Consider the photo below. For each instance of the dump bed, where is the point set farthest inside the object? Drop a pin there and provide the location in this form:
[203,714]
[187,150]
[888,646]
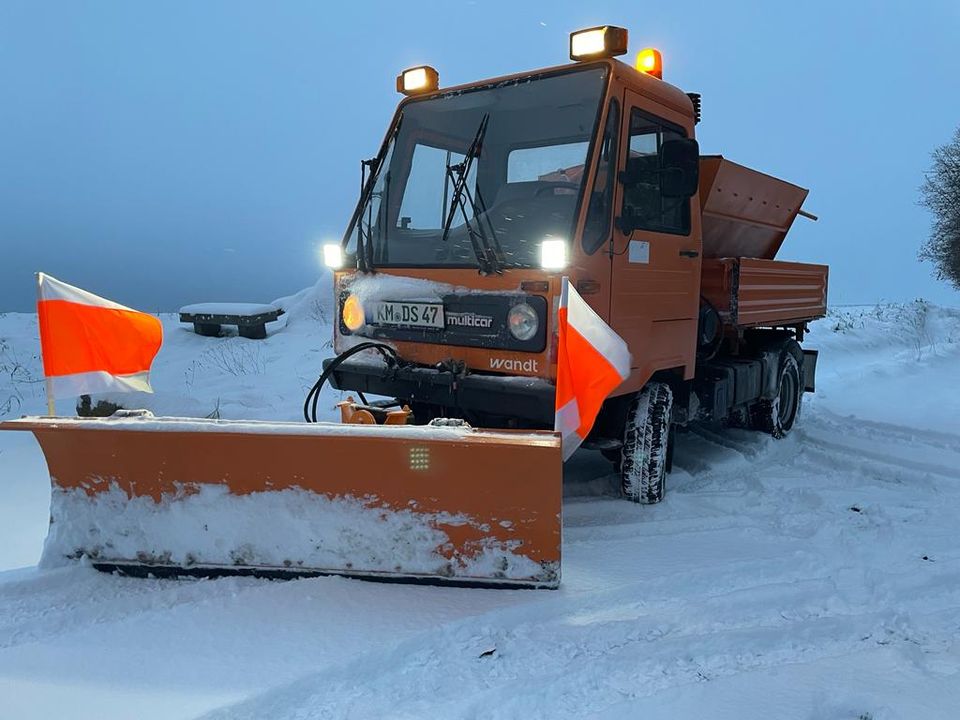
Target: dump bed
[751,292]
[746,213]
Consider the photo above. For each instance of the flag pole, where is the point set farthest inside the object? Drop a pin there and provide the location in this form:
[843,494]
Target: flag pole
[48,382]
[51,411]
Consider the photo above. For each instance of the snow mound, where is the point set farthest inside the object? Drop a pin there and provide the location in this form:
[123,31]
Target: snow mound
[207,526]
[311,305]
[812,577]
[878,362]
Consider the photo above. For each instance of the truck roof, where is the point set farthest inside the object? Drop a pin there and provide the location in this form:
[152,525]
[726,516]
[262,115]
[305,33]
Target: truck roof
[657,90]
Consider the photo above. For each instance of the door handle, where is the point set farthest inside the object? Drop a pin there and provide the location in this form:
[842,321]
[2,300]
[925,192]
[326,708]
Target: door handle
[689,253]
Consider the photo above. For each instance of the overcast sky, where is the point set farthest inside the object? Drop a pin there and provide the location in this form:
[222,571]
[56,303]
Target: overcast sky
[166,153]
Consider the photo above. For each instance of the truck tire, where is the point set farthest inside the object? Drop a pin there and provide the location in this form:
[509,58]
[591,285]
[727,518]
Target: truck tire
[776,417]
[643,464]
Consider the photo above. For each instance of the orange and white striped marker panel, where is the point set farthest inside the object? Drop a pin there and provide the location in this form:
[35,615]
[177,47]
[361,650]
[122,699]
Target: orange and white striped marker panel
[592,360]
[91,344]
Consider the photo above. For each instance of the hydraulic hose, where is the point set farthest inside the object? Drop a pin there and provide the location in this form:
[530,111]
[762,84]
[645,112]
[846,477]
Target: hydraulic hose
[313,396]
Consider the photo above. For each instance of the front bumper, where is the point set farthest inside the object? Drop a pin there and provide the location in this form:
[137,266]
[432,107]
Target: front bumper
[530,399]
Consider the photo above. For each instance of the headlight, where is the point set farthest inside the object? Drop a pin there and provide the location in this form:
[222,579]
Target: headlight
[523,321]
[333,256]
[553,253]
[352,313]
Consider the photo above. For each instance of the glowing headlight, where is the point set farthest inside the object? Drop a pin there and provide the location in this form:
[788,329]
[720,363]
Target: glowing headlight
[553,254]
[523,321]
[598,42]
[333,256]
[352,313]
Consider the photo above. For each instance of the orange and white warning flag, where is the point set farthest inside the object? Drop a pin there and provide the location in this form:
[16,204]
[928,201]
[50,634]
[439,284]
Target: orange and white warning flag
[592,360]
[90,344]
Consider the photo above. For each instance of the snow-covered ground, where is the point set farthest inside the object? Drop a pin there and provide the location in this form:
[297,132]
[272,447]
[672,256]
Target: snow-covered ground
[815,578]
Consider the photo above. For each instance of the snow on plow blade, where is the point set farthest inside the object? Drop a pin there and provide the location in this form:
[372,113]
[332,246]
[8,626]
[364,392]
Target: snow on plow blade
[447,505]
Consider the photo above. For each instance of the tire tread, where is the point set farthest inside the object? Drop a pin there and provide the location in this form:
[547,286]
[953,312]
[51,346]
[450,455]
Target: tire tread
[646,437]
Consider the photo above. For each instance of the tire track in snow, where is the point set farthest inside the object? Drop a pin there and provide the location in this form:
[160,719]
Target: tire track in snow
[824,441]
[570,656]
[888,431]
[47,604]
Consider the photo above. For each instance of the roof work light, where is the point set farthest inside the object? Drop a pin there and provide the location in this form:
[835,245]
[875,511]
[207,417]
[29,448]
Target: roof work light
[417,80]
[650,62]
[598,42]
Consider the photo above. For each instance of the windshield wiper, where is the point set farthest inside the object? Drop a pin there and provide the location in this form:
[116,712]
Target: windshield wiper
[365,244]
[487,250]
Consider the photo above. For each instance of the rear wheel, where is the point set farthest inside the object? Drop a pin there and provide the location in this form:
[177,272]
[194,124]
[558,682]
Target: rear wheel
[778,415]
[643,464]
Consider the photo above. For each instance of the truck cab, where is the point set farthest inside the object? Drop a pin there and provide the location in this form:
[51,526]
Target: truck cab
[484,196]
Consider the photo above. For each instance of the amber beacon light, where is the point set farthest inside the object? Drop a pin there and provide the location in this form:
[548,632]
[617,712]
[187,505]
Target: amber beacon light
[598,42]
[650,61]
[418,80]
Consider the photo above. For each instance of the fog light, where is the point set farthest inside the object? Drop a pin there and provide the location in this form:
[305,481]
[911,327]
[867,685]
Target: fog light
[333,256]
[523,321]
[353,315]
[553,254]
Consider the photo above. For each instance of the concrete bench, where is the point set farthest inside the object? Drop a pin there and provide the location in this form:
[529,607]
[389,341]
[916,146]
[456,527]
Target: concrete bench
[251,319]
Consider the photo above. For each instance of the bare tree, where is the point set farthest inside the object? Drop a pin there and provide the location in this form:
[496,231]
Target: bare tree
[940,194]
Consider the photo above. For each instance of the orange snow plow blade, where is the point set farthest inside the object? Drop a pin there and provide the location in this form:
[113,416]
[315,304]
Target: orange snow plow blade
[209,497]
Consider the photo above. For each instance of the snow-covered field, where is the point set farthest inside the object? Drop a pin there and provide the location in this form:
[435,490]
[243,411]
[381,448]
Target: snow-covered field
[815,578]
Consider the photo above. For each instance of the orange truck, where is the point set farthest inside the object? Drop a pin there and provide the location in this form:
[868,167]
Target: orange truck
[483,196]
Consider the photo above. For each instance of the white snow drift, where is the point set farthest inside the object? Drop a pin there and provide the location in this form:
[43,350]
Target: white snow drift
[813,578]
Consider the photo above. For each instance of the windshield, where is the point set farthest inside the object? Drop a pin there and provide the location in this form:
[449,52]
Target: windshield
[531,137]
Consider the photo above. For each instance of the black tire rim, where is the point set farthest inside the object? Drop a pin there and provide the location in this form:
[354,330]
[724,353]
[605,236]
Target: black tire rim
[788,399]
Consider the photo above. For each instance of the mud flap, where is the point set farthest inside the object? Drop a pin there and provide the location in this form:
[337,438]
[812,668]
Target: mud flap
[445,505]
[810,370]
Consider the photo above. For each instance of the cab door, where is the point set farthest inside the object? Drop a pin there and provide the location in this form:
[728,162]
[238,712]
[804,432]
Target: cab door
[655,253]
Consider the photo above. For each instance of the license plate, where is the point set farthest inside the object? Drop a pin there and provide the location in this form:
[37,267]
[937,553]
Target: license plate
[409,314]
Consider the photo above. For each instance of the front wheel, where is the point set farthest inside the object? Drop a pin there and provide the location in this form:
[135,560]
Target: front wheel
[643,464]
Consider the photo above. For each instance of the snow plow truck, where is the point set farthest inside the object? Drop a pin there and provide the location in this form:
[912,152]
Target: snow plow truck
[481,199]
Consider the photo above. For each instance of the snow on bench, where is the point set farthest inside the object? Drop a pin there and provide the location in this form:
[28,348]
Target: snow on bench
[250,318]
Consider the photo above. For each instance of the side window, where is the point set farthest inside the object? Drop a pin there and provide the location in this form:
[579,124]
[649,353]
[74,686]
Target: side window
[597,228]
[641,197]
[427,194]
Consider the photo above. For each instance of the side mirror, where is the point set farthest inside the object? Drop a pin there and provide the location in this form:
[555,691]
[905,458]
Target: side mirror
[679,168]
